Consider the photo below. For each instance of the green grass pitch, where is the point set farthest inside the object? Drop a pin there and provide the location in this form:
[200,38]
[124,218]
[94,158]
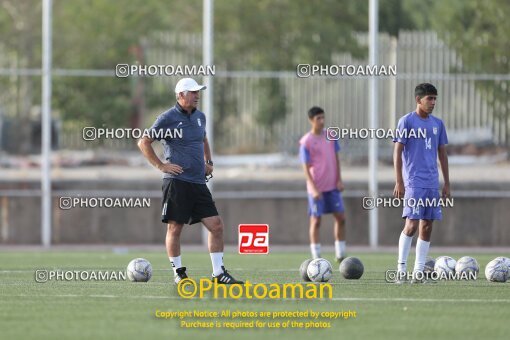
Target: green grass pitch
[125,310]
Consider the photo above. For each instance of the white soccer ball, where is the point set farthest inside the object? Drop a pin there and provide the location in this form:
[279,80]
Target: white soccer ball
[139,270]
[506,260]
[496,271]
[319,270]
[445,267]
[467,268]
[303,270]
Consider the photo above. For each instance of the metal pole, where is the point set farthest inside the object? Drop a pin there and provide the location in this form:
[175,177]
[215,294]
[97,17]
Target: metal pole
[372,145]
[207,95]
[46,125]
[392,97]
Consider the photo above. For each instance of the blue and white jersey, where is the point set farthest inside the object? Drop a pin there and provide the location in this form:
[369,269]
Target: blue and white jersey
[419,157]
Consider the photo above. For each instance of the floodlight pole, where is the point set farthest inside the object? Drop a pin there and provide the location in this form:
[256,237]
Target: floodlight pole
[207,95]
[46,125]
[373,107]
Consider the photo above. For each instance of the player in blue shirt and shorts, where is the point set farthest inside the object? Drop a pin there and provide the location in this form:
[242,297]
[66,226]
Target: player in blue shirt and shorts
[417,178]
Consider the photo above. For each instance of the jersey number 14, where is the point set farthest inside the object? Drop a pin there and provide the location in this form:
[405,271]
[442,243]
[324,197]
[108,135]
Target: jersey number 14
[428,143]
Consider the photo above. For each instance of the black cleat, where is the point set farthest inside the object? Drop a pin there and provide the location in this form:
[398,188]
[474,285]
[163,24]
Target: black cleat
[226,278]
[180,274]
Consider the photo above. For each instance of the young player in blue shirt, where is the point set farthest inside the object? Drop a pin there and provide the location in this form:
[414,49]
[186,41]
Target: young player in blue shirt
[417,177]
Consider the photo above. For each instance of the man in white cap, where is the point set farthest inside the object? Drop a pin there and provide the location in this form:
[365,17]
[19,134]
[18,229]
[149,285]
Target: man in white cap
[186,198]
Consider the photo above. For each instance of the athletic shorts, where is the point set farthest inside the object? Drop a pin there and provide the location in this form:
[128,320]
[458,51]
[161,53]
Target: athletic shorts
[421,204]
[330,202]
[186,202]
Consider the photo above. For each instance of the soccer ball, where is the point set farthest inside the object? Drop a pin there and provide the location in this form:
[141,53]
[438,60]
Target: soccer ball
[430,262]
[351,268]
[506,260]
[303,270]
[139,270]
[496,271]
[445,267]
[467,265]
[319,270]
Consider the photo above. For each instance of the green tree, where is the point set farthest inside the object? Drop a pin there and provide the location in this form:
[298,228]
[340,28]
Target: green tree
[20,26]
[98,35]
[478,31]
[271,35]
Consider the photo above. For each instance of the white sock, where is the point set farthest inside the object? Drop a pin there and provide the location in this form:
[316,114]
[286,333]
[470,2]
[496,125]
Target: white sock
[422,249]
[176,262]
[217,262]
[340,248]
[316,250]
[404,245]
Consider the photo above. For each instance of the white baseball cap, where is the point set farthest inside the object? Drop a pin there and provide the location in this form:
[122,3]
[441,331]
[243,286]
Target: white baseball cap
[188,84]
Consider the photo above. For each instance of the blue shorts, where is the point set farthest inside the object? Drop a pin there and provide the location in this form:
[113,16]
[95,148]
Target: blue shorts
[422,204]
[330,202]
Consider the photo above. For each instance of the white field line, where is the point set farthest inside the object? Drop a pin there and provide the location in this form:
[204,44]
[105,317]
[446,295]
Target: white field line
[348,299]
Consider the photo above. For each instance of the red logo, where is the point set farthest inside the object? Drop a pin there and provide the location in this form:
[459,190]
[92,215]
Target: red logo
[253,239]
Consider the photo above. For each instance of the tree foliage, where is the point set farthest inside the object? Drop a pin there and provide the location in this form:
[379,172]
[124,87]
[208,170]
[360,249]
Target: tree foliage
[265,35]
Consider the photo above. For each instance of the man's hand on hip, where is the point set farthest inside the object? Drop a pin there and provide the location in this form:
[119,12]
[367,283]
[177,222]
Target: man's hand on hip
[170,168]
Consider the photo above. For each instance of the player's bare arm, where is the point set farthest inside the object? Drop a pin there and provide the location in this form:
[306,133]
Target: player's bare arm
[207,157]
[443,160]
[145,146]
[316,193]
[399,190]
[339,184]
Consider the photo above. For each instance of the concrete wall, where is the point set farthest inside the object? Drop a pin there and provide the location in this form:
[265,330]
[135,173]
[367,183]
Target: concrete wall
[474,221]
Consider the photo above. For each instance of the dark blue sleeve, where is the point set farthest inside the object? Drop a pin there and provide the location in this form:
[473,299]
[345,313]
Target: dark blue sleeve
[159,125]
